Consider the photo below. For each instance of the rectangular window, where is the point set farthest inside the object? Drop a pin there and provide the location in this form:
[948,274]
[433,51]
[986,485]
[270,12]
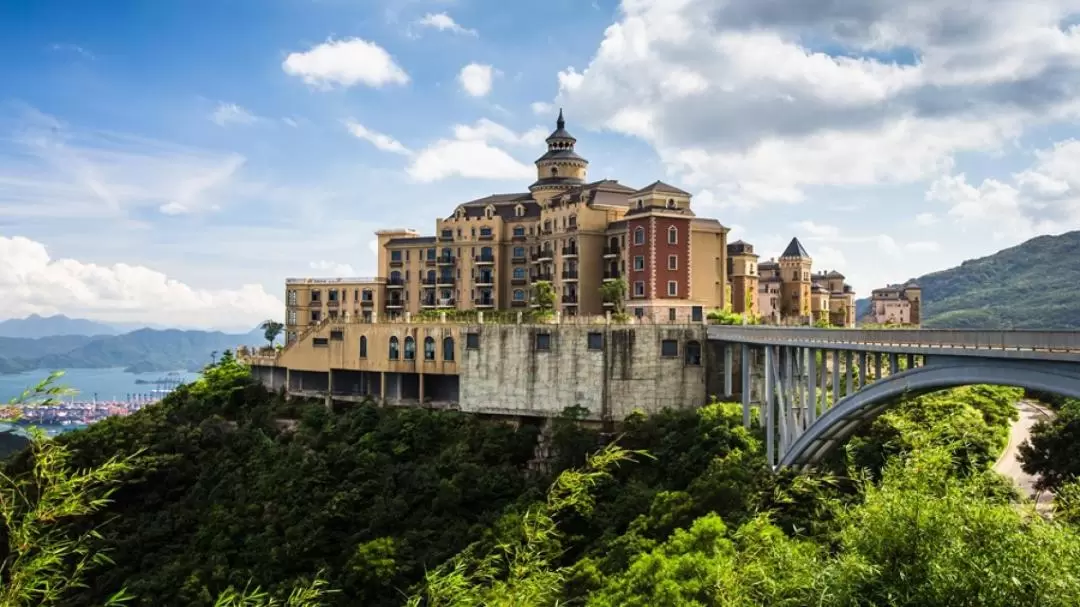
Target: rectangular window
[671,314]
[673,262]
[395,255]
[290,318]
[332,295]
[596,341]
[639,288]
[316,316]
[639,263]
[543,341]
[639,236]
[337,335]
[472,341]
[673,235]
[316,295]
[696,313]
[320,342]
[519,231]
[672,288]
[669,348]
[639,312]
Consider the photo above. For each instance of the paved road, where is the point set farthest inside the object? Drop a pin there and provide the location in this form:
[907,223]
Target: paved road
[1009,464]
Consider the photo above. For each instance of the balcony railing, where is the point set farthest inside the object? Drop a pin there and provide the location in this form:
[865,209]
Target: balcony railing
[518,237]
[484,281]
[395,283]
[427,303]
[315,303]
[541,276]
[571,227]
[611,251]
[612,275]
[569,252]
[333,303]
[485,259]
[488,236]
[519,258]
[519,281]
[570,298]
[366,303]
[396,263]
[519,303]
[430,261]
[570,275]
[446,237]
[445,260]
[445,281]
[395,303]
[429,282]
[484,303]
[543,254]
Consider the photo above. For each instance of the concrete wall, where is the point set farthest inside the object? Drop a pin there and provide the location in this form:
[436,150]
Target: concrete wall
[507,375]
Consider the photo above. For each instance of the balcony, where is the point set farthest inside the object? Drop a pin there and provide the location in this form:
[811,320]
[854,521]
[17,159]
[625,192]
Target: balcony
[572,227]
[570,298]
[518,237]
[542,276]
[485,260]
[366,303]
[488,236]
[482,302]
[333,303]
[445,303]
[570,275]
[519,303]
[444,281]
[485,280]
[395,284]
[315,303]
[429,282]
[569,252]
[519,259]
[611,251]
[544,255]
[445,260]
[427,302]
[519,281]
[396,263]
[609,304]
[547,231]
[612,275]
[395,304]
[430,261]
[446,237]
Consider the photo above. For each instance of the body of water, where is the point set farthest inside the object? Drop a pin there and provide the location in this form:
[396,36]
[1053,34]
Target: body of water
[91,384]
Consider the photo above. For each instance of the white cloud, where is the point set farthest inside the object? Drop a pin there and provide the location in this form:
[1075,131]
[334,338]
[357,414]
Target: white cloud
[471,154]
[33,282]
[379,140]
[817,230]
[541,108]
[230,113]
[332,269]
[735,99]
[476,78]
[291,122]
[346,62]
[444,23]
[925,219]
[74,48]
[51,169]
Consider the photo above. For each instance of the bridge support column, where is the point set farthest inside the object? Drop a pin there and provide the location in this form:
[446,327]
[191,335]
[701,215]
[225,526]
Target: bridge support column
[745,363]
[862,370]
[767,408]
[849,358]
[877,365]
[811,386]
[727,370]
[382,387]
[835,376]
[910,361]
[894,363]
[329,390]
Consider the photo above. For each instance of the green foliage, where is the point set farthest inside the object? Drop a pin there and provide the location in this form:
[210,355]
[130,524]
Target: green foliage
[544,296]
[271,330]
[614,293]
[726,317]
[1053,451]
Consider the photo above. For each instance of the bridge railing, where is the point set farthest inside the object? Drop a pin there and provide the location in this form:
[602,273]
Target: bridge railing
[920,338]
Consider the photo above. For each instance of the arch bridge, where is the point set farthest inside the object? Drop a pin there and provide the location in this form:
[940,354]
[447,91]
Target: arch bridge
[814,387]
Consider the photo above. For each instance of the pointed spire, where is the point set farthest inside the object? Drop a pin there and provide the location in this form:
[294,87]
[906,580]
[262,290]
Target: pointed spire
[560,123]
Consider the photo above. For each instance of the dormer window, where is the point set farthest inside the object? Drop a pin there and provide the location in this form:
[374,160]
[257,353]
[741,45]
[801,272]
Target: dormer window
[641,204]
[671,203]
[489,211]
[519,211]
[460,213]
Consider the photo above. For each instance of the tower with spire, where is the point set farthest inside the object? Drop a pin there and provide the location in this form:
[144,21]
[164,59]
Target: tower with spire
[795,265]
[560,168]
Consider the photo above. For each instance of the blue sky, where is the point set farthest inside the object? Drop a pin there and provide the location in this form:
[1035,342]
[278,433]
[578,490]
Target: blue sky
[172,161]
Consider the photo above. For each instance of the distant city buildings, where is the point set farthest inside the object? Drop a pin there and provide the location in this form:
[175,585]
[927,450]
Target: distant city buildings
[896,305]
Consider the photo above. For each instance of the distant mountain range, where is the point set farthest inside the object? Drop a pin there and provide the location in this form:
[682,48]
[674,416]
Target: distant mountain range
[1034,285]
[95,345]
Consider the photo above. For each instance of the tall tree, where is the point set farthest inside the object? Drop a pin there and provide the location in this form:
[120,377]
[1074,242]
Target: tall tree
[271,330]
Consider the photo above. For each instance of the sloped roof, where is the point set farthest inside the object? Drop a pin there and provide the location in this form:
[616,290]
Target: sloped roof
[795,249]
[660,186]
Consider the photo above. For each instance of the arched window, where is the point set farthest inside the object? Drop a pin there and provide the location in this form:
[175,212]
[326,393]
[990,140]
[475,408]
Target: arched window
[429,348]
[639,235]
[693,353]
[363,346]
[519,295]
[394,348]
[671,203]
[395,276]
[448,348]
[554,171]
[673,235]
[410,348]
[485,253]
[519,272]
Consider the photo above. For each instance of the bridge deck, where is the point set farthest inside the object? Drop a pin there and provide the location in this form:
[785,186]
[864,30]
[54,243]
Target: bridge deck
[1033,345]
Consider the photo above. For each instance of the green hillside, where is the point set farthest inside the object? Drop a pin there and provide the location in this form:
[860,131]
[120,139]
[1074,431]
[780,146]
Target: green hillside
[1034,285]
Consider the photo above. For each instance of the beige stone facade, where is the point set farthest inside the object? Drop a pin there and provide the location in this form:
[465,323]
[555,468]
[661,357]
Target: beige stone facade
[896,305]
[786,290]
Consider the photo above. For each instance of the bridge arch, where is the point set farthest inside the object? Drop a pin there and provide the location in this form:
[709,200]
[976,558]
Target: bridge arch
[846,416]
